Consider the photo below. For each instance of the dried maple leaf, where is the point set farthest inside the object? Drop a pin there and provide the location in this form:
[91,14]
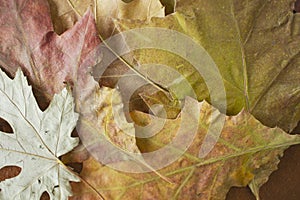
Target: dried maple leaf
[255,46]
[103,112]
[27,40]
[39,139]
[246,154]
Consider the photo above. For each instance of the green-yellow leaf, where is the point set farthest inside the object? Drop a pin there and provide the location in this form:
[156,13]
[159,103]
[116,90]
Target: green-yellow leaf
[255,46]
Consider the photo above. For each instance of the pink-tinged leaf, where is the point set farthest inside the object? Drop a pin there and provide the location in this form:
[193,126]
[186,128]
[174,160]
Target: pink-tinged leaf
[27,40]
[246,153]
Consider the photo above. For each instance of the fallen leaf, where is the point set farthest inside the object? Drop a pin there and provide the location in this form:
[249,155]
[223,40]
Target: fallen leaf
[106,12]
[246,153]
[254,45]
[50,61]
[39,139]
[103,111]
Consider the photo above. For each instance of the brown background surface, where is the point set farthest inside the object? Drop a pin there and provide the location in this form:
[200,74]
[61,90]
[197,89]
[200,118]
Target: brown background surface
[284,184]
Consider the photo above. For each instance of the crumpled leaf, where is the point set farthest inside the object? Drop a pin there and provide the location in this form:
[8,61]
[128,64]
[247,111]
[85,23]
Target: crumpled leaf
[103,111]
[106,133]
[246,153]
[255,46]
[38,140]
[106,10]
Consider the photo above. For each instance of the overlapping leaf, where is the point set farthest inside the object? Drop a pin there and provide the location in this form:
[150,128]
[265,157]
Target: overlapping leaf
[105,12]
[255,46]
[246,153]
[52,60]
[230,31]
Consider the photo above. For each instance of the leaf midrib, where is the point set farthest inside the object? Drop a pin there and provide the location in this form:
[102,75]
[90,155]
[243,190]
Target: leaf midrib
[243,57]
[251,106]
[25,42]
[210,161]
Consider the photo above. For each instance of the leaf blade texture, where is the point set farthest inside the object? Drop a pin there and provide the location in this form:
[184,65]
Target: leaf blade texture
[49,60]
[246,153]
[254,46]
[105,12]
[38,140]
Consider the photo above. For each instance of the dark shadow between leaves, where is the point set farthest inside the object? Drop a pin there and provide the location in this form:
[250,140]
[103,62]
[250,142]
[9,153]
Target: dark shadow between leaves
[296,7]
[76,167]
[169,6]
[297,129]
[127,1]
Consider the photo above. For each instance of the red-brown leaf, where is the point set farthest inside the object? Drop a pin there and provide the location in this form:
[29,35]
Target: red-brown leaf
[27,40]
